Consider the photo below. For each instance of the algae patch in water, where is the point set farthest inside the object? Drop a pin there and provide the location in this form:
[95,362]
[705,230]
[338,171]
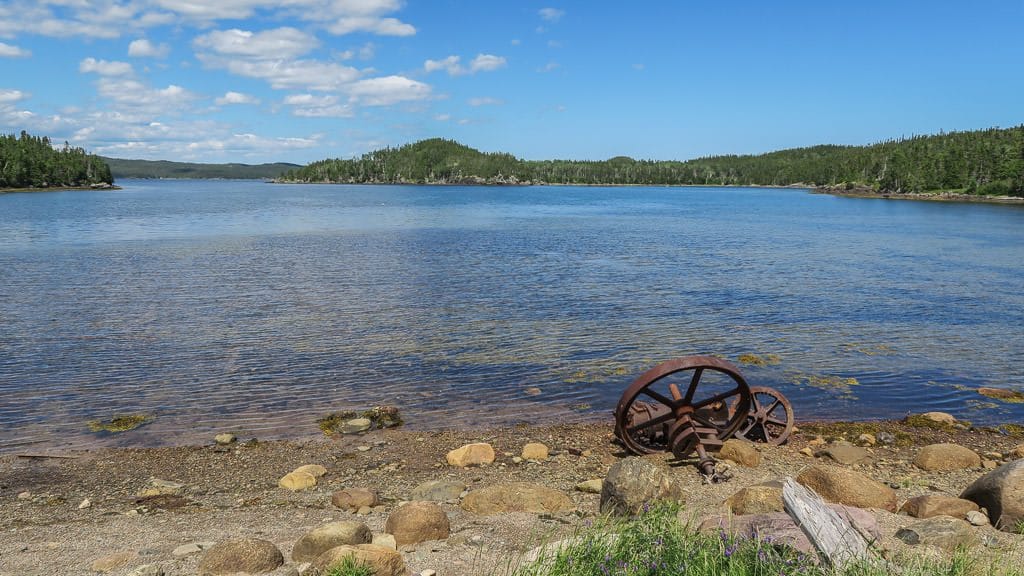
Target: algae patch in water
[922,421]
[332,423]
[844,386]
[762,360]
[1002,394]
[868,349]
[120,423]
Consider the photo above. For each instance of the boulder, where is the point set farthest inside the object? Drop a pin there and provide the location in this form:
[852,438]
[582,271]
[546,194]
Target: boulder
[944,532]
[945,457]
[1016,452]
[417,522]
[353,499]
[535,451]
[356,425]
[757,499]
[846,454]
[314,470]
[741,452]
[848,487]
[225,439]
[250,555]
[931,505]
[939,417]
[517,497]
[634,482]
[471,455]
[1001,492]
[1004,394]
[438,491]
[296,481]
[323,538]
[976,518]
[383,560]
[782,529]
[867,439]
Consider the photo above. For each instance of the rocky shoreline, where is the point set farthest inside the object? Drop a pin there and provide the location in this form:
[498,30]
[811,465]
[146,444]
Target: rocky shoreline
[867,192]
[195,509]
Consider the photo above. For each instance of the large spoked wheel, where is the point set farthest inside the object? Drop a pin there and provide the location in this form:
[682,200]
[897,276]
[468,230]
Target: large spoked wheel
[679,402]
[769,419]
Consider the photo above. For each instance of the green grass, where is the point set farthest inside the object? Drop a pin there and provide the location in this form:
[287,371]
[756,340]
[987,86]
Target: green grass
[350,566]
[656,543]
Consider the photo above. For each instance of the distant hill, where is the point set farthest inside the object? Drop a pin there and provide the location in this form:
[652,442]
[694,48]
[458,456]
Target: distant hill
[165,169]
[984,162]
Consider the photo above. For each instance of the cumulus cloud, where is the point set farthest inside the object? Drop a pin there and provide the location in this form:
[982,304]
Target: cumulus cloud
[279,43]
[381,26]
[453,64]
[143,48]
[388,90]
[313,106]
[551,14]
[136,97]
[104,67]
[8,96]
[9,51]
[236,98]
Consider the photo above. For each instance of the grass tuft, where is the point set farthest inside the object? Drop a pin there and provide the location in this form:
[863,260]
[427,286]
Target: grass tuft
[351,566]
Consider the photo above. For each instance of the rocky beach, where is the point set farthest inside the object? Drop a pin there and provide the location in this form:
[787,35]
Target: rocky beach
[473,502]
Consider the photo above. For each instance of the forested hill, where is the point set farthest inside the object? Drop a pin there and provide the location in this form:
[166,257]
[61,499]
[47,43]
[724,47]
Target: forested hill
[28,161]
[977,162]
[165,169]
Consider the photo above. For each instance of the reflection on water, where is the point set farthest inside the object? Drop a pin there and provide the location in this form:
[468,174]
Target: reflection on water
[257,308]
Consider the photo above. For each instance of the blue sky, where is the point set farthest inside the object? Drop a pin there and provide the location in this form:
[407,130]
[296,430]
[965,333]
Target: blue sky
[300,80]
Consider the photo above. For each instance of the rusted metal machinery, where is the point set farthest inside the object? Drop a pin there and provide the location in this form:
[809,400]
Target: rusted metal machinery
[692,405]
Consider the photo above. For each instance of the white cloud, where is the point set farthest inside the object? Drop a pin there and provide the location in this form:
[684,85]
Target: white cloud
[388,90]
[288,75]
[105,67]
[236,98]
[452,64]
[549,67]
[442,117]
[313,106]
[279,43]
[143,48]
[381,26]
[485,101]
[134,97]
[8,51]
[551,14]
[486,63]
[8,96]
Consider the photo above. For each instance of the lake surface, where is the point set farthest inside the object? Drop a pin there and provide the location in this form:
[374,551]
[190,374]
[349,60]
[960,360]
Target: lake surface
[256,308]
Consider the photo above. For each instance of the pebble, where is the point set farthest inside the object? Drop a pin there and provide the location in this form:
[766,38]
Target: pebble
[532,391]
[591,486]
[225,439]
[364,510]
[85,504]
[807,452]
[25,496]
[517,460]
[147,570]
[428,572]
[186,549]
[363,448]
[977,518]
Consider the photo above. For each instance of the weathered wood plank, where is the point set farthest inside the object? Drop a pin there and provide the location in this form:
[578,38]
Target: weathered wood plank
[837,540]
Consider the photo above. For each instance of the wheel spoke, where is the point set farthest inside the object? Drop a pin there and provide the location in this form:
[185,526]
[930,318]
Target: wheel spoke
[716,398]
[776,421]
[773,406]
[652,422]
[693,385]
[658,397]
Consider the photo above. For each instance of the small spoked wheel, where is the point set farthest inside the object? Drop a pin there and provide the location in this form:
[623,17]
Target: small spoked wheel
[681,404]
[769,418]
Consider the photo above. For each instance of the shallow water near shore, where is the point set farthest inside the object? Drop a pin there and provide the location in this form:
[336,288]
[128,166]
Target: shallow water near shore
[256,308]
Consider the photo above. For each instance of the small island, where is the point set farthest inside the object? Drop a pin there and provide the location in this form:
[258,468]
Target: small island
[29,163]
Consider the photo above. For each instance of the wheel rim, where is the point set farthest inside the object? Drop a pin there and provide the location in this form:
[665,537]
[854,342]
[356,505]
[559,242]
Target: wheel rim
[769,418]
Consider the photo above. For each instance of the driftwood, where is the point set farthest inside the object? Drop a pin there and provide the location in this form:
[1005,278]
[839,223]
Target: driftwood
[61,456]
[838,542]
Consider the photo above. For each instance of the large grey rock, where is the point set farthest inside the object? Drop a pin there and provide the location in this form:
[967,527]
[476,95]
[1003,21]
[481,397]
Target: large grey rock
[783,529]
[944,532]
[1001,492]
[846,453]
[937,505]
[438,490]
[517,497]
[633,482]
[843,486]
[323,538]
[417,522]
[946,457]
[250,555]
[353,499]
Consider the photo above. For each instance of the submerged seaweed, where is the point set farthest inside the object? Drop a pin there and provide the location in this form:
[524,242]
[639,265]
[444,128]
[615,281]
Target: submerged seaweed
[119,423]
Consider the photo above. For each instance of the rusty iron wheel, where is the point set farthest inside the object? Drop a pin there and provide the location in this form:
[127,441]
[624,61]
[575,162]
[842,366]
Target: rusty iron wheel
[769,419]
[670,392]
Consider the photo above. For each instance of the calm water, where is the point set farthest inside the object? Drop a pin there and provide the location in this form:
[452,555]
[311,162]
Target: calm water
[256,308]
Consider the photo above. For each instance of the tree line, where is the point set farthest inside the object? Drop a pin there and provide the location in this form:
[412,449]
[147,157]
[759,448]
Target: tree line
[989,162]
[28,161]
